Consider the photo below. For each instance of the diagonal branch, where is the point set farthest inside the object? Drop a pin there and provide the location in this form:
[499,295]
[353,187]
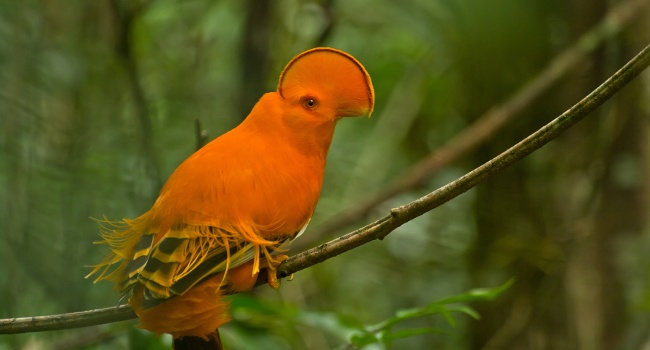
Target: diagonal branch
[400,215]
[487,125]
[382,227]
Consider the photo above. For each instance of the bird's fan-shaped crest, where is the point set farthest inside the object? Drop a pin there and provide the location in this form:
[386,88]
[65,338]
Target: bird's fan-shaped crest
[327,68]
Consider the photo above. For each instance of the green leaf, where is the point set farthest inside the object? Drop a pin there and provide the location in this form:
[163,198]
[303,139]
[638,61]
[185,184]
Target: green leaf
[381,332]
[388,337]
[362,339]
[479,294]
[466,310]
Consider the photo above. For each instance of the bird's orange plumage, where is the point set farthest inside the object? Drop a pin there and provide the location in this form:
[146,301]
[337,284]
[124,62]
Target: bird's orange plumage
[234,202]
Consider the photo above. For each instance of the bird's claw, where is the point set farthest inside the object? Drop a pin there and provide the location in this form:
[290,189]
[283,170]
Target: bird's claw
[272,276]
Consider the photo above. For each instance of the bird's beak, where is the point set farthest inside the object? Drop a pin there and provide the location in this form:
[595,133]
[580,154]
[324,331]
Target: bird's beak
[350,111]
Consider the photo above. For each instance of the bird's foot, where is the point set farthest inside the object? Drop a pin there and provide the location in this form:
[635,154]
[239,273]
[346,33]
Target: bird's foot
[271,270]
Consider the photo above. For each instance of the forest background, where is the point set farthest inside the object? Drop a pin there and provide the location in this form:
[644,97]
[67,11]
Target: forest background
[101,100]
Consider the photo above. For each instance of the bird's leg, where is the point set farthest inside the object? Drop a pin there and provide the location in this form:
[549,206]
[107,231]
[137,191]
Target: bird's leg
[271,266]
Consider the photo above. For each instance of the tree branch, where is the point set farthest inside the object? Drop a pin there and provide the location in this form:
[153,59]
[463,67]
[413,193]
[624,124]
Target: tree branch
[400,215]
[492,121]
[66,321]
[382,227]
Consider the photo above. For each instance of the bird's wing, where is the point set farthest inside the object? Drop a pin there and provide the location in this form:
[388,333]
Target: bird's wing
[188,255]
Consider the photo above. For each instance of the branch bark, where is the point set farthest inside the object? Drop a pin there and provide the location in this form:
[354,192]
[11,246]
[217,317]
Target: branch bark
[492,121]
[382,227]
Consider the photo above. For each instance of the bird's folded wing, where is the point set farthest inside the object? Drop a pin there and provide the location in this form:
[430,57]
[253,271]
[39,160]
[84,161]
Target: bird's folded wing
[186,256]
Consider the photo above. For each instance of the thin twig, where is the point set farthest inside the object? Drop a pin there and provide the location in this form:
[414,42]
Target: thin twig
[382,227]
[201,134]
[487,125]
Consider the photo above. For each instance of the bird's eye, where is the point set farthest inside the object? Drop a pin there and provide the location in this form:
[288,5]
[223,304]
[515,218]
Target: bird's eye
[309,102]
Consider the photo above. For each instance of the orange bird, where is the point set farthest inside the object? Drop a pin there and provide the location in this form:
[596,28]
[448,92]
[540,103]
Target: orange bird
[229,207]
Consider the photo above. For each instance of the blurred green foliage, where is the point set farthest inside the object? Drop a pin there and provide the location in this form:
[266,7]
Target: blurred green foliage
[98,104]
